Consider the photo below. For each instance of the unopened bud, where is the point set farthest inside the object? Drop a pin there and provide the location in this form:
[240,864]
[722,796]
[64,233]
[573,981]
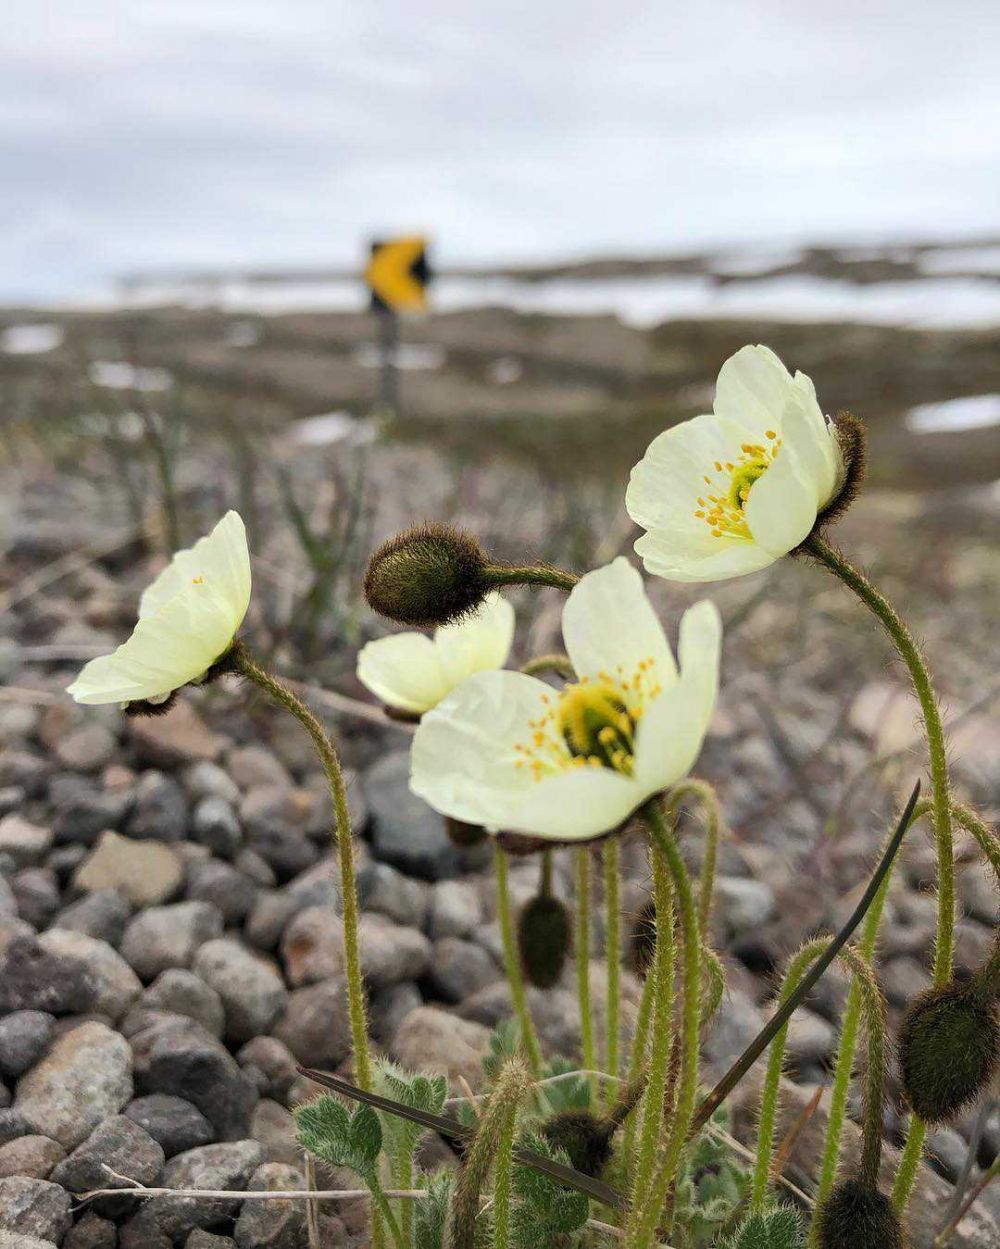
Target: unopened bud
[544,936]
[427,576]
[949,1050]
[854,1216]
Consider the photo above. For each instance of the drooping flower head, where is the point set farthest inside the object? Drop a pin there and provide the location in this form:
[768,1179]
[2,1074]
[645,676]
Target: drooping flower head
[188,619]
[729,493]
[411,672]
[506,750]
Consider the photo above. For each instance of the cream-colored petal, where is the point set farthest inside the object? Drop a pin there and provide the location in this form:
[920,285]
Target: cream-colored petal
[782,506]
[477,643]
[403,671]
[666,484]
[609,626]
[166,650]
[663,556]
[752,390]
[575,805]
[810,437]
[699,651]
[220,560]
[464,762]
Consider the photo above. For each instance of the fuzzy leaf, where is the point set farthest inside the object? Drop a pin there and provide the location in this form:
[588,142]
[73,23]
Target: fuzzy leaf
[328,1130]
[779,1228]
[430,1217]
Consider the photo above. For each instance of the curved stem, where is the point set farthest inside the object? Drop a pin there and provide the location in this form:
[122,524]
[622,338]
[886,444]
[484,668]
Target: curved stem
[244,663]
[581,953]
[874,1101]
[559,664]
[844,1065]
[637,1056]
[645,1225]
[855,580]
[660,993]
[903,640]
[988,841]
[613,953]
[512,964]
[496,1125]
[529,574]
[709,800]
[772,1079]
[763,1038]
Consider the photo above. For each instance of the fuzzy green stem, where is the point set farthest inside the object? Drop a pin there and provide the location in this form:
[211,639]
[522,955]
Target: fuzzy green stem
[581,952]
[767,1034]
[613,954]
[855,580]
[660,983]
[529,574]
[638,1055]
[874,1100]
[246,665]
[496,1126]
[989,843]
[844,1065]
[405,1182]
[385,1210]
[715,989]
[559,664]
[903,640]
[709,800]
[512,964]
[772,1079]
[502,1184]
[545,883]
[644,1219]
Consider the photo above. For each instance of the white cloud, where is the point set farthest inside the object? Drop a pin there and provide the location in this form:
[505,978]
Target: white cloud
[215,132]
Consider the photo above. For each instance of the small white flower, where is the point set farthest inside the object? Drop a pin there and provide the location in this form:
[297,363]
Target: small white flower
[412,672]
[730,493]
[508,751]
[188,618]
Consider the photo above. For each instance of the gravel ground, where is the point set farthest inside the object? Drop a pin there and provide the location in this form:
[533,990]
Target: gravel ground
[169,918]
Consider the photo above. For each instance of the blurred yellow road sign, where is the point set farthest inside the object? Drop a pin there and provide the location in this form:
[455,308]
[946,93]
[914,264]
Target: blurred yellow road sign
[397,274]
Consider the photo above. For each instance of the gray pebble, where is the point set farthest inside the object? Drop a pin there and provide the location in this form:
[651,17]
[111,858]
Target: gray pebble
[24,1036]
[175,1124]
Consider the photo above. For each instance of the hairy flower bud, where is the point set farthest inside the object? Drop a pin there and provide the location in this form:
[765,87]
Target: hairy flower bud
[544,936]
[949,1049]
[586,1138]
[855,1215]
[427,576]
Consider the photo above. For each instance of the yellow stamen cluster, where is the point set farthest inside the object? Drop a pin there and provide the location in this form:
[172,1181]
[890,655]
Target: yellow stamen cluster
[723,510]
[590,723]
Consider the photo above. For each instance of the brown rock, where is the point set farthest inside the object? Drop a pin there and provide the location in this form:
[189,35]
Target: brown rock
[178,737]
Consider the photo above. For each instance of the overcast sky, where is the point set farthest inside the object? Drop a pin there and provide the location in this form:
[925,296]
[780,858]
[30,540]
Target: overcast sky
[139,133]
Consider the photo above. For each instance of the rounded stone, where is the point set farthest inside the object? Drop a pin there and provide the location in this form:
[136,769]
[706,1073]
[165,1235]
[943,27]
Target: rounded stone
[24,1036]
[253,994]
[174,1123]
[164,937]
[85,1077]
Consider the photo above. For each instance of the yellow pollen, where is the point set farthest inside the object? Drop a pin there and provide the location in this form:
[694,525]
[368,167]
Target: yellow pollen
[197,580]
[723,512]
[593,723]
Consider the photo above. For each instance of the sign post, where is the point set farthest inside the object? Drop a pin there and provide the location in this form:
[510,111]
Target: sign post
[397,275]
